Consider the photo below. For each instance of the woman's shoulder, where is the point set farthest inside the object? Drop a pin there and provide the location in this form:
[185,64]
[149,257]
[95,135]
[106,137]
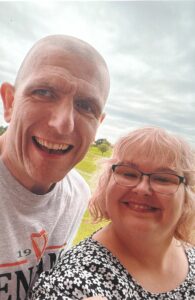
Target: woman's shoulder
[190,251]
[84,252]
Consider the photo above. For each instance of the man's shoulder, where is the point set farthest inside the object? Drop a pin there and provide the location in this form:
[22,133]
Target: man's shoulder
[75,174]
[75,177]
[76,182]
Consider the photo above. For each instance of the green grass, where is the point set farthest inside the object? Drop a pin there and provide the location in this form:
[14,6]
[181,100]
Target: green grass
[87,167]
[87,228]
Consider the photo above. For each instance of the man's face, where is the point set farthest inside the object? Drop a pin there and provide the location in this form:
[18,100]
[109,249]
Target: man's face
[57,108]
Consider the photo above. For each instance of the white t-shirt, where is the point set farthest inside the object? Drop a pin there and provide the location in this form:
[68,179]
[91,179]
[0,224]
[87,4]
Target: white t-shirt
[35,230]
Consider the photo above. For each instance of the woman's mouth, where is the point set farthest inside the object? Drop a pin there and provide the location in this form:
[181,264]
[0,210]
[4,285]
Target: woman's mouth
[139,207]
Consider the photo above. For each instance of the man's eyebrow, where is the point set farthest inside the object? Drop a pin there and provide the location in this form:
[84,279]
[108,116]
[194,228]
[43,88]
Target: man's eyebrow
[38,84]
[88,98]
[54,86]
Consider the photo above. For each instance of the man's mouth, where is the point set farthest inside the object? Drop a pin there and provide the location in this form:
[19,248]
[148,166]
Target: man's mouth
[51,148]
[139,207]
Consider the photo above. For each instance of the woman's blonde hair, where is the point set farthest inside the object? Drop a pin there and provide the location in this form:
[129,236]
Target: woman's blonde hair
[162,146]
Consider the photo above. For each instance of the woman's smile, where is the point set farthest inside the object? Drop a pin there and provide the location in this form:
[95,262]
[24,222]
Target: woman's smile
[139,206]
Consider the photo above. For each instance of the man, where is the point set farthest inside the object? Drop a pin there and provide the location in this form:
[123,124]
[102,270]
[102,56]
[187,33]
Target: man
[53,111]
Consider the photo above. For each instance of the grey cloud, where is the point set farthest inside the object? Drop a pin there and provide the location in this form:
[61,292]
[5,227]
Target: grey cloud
[20,19]
[148,45]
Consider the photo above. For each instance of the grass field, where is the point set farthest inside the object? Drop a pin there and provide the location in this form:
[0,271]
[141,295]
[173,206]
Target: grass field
[87,167]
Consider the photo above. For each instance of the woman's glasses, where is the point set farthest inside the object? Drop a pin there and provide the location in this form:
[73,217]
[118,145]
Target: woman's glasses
[160,182]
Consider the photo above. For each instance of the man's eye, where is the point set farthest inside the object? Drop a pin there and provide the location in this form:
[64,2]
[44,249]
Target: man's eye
[42,92]
[84,106]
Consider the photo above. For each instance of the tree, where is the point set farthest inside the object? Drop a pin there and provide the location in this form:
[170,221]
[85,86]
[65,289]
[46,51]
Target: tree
[103,148]
[102,141]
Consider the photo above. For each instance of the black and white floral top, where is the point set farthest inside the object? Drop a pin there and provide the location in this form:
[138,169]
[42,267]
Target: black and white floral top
[89,269]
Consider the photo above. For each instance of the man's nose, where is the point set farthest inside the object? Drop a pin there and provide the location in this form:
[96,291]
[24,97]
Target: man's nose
[62,118]
[143,186]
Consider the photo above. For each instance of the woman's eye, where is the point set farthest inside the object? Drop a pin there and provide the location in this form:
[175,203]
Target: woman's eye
[161,179]
[130,175]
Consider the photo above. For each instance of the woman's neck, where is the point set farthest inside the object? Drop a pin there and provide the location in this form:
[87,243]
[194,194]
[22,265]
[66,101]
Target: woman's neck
[139,246]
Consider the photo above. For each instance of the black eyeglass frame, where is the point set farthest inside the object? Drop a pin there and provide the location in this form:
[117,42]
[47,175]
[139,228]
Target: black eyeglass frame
[182,179]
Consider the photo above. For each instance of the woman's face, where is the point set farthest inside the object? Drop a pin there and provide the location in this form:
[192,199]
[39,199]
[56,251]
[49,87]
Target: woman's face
[141,210]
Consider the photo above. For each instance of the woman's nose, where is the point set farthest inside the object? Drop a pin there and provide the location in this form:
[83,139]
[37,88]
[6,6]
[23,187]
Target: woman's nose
[143,186]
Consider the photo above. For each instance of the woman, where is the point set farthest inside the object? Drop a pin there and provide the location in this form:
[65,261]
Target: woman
[146,251]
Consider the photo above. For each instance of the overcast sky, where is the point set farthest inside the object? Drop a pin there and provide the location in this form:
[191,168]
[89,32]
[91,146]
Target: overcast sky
[149,47]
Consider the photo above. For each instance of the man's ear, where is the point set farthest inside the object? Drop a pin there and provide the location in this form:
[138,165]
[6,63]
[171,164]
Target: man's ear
[7,95]
[102,117]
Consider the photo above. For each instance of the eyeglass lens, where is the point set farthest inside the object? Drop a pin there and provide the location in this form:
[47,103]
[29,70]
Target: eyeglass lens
[160,182]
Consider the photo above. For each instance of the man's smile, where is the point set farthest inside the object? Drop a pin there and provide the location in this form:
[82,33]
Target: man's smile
[50,147]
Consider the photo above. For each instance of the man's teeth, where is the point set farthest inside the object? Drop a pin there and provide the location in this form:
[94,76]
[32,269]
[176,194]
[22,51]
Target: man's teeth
[52,146]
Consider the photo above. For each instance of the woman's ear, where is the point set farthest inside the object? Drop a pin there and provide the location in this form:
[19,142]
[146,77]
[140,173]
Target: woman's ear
[7,95]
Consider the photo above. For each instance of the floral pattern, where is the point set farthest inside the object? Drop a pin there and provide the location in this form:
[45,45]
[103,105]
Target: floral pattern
[89,269]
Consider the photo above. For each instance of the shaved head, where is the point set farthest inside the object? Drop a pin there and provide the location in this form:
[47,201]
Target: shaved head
[66,45]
